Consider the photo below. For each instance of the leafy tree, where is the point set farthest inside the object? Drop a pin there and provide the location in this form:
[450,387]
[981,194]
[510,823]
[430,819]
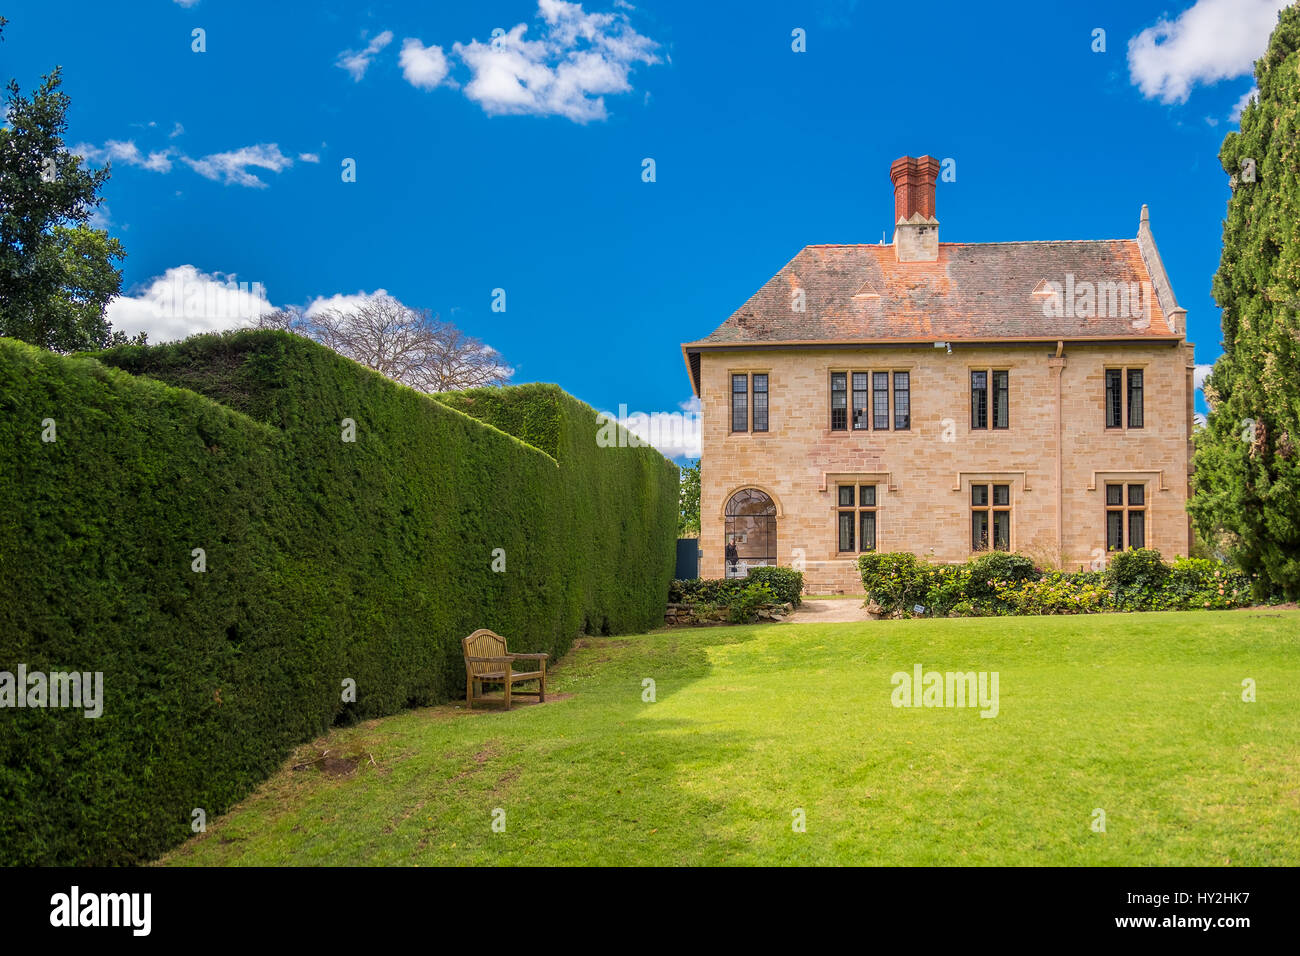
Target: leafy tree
[688,498]
[1247,457]
[57,273]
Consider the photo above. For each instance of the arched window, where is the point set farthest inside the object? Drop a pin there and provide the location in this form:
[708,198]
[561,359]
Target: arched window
[751,532]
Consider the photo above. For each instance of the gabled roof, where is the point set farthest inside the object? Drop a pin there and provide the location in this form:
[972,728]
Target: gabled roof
[972,292]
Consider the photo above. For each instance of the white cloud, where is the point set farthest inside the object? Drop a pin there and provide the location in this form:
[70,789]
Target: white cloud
[577,59]
[233,167]
[186,3]
[673,434]
[184,301]
[309,157]
[177,130]
[1241,103]
[342,302]
[1198,376]
[356,62]
[423,66]
[1211,41]
[127,153]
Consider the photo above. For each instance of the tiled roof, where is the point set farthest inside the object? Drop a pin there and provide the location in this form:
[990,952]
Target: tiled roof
[973,292]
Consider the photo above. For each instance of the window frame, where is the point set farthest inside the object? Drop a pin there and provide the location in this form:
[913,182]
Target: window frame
[991,397]
[754,392]
[743,395]
[1125,510]
[856,510]
[844,409]
[993,507]
[906,391]
[1118,397]
[749,400]
[888,390]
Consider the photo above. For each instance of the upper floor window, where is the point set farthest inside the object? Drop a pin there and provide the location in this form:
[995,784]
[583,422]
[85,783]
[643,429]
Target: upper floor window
[839,401]
[760,402]
[741,385]
[990,399]
[1124,398]
[870,396]
[740,403]
[902,401]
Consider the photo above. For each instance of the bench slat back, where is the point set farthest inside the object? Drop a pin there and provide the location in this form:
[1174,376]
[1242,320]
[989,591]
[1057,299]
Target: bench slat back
[483,643]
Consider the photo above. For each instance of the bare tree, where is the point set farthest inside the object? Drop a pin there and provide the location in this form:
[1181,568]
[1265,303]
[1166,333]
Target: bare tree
[412,346]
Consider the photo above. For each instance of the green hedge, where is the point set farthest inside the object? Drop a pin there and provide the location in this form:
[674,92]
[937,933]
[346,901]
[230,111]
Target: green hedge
[326,560]
[786,585]
[1000,583]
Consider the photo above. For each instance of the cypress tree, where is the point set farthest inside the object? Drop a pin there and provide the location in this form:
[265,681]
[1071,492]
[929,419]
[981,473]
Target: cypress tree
[1247,458]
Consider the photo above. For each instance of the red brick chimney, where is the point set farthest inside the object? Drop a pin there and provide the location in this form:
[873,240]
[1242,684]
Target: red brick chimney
[914,181]
[916,230]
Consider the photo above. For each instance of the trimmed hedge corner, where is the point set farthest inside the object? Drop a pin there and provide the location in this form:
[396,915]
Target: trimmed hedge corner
[326,560]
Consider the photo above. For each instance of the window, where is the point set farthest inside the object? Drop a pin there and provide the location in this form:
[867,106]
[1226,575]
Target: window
[880,401]
[870,396]
[1125,515]
[1124,390]
[902,401]
[1001,398]
[750,532]
[760,403]
[839,402]
[860,398]
[979,400]
[990,521]
[981,383]
[856,516]
[1114,401]
[740,403]
[1135,398]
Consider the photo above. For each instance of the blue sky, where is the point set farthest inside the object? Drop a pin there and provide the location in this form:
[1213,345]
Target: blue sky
[519,166]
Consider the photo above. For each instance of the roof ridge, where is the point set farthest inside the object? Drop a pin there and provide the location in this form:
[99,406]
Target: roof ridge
[1008,242]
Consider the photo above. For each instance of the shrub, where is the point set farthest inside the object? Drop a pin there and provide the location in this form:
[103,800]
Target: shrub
[896,581]
[1136,577]
[1138,568]
[1054,593]
[715,592]
[326,560]
[946,589]
[786,583]
[997,566]
[745,604]
[1197,583]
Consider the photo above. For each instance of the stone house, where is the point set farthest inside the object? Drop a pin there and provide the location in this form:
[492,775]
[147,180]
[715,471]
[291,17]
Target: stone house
[945,398]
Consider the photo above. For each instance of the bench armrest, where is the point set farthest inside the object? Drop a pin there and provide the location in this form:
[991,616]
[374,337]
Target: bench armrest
[532,657]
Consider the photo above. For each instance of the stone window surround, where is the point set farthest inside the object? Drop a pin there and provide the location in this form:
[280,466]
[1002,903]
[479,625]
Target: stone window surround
[857,509]
[749,372]
[989,427]
[831,480]
[1124,368]
[909,368]
[1019,482]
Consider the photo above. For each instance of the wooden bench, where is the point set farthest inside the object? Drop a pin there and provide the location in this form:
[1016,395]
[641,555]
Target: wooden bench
[488,662]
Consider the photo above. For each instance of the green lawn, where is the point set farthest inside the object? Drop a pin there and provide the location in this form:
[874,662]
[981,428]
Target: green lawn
[1140,715]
